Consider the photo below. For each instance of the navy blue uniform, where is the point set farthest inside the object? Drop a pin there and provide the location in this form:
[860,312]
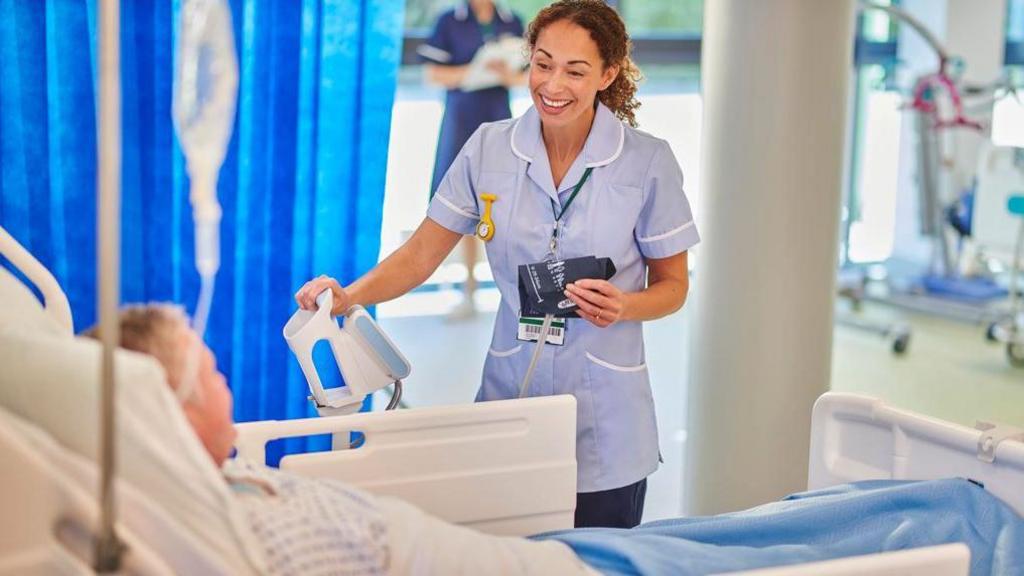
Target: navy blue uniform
[455,39]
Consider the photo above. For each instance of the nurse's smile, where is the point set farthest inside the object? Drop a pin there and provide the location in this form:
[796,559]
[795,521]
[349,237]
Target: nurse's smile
[566,73]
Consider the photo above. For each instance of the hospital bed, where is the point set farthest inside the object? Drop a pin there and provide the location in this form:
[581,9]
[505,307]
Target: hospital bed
[502,467]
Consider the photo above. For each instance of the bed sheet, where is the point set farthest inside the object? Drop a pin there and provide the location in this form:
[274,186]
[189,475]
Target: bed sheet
[848,520]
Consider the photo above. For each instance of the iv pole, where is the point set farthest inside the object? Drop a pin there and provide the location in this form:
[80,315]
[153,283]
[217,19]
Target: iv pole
[109,549]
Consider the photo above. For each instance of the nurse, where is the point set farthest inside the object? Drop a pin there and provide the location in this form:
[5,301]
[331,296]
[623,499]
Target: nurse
[573,160]
[457,36]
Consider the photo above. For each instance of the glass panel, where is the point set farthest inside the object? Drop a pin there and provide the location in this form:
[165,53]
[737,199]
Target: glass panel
[870,212]
[422,13]
[1015,21]
[871,209]
[876,25]
[681,17]
[526,9]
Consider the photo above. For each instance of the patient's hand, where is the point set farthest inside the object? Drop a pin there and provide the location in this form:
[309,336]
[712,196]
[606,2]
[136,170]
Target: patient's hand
[306,296]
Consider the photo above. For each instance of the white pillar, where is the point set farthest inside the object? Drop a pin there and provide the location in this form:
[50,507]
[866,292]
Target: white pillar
[776,76]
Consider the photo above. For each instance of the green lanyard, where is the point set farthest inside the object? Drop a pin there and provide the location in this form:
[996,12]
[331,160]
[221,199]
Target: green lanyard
[558,214]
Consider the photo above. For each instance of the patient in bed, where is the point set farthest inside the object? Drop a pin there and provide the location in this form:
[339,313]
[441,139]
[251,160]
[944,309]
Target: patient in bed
[314,526]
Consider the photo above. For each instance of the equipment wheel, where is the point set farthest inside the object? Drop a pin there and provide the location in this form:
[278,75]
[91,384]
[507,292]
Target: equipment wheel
[1015,354]
[900,344]
[990,332]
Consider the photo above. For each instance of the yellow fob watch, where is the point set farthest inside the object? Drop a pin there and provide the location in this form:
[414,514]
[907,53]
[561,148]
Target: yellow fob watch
[485,228]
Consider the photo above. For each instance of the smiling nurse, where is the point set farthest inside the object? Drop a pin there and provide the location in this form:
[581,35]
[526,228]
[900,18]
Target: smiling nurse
[573,163]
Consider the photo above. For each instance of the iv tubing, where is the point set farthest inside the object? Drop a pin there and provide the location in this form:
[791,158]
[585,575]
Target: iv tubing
[188,385]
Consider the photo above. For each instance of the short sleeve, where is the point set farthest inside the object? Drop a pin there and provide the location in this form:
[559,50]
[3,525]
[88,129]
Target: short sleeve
[666,226]
[437,49]
[454,204]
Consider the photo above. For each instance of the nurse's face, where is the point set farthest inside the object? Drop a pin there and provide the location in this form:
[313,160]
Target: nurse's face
[566,73]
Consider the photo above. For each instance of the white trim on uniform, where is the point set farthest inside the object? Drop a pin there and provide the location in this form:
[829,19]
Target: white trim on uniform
[515,150]
[455,208]
[615,367]
[618,150]
[505,353]
[462,11]
[433,53]
[668,234]
[596,139]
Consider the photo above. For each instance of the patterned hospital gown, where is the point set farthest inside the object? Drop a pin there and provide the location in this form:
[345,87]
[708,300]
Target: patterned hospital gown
[310,526]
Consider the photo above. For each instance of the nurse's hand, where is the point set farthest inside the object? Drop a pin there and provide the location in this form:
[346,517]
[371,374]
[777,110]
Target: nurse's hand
[600,302]
[306,296]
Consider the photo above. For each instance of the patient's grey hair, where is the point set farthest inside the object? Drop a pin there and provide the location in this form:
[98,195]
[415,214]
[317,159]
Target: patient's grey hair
[154,329]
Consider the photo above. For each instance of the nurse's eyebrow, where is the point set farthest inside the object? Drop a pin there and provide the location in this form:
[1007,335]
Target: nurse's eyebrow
[571,62]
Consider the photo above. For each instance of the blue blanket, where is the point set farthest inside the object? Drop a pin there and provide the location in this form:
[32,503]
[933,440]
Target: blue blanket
[849,520]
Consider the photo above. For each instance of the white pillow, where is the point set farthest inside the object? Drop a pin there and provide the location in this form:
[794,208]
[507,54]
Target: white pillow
[20,309]
[63,486]
[53,382]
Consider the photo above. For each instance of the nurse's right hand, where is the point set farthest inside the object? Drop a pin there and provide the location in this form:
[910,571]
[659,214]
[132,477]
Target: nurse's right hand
[306,296]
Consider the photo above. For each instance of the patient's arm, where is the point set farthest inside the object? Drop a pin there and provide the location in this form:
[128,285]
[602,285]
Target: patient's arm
[421,543]
[312,523]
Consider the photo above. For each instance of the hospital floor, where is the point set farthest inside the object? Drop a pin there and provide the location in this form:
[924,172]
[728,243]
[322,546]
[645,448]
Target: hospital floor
[950,372]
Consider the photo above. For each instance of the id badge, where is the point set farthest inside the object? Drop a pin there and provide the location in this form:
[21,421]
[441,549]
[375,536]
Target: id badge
[530,327]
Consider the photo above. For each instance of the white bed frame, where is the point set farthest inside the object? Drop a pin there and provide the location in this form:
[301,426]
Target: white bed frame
[860,438]
[509,467]
[505,467]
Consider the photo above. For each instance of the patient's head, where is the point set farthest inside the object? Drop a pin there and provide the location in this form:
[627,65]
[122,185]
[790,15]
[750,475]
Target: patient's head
[162,331]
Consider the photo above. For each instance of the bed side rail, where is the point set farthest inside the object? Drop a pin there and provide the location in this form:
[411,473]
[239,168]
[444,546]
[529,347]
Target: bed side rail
[506,467]
[861,438]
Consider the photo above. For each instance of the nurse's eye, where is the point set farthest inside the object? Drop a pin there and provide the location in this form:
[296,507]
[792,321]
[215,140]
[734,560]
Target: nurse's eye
[543,65]
[575,74]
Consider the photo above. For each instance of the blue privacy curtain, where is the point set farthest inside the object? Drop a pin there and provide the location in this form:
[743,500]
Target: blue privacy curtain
[302,185]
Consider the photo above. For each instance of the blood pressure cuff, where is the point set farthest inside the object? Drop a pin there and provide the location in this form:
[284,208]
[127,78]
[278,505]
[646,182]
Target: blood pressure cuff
[542,284]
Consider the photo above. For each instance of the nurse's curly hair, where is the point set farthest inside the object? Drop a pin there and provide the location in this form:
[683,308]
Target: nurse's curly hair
[608,31]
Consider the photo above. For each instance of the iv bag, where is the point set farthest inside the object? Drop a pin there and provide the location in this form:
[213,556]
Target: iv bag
[205,93]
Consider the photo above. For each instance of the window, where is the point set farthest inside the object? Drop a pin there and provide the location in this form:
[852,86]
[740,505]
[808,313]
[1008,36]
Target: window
[663,31]
[1015,34]
[660,17]
[1008,113]
[666,40]
[870,208]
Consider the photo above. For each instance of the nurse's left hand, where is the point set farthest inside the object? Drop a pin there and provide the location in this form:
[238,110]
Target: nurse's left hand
[600,302]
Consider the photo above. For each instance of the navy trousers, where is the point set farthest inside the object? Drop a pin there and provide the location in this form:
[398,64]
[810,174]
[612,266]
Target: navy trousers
[615,508]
